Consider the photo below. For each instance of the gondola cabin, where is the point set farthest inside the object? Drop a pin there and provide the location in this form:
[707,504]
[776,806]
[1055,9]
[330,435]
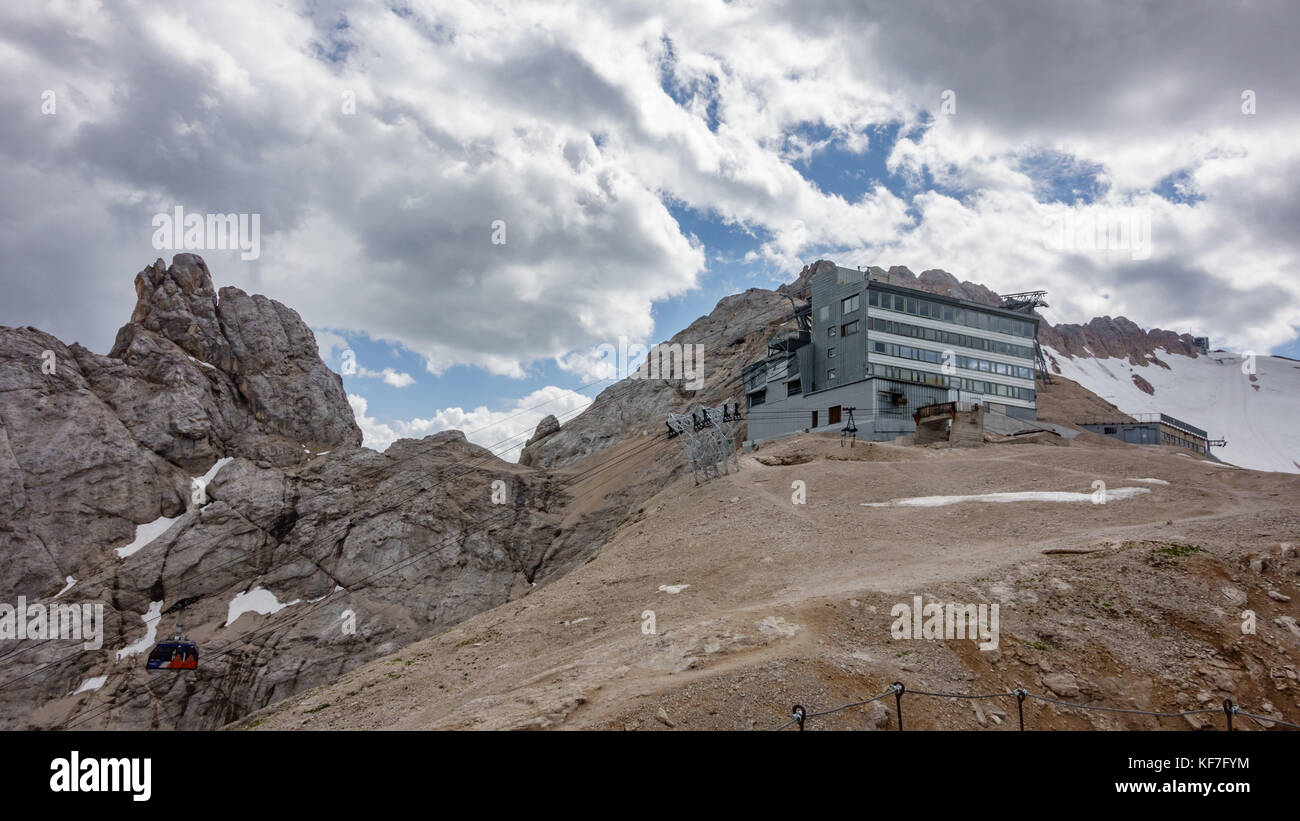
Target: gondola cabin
[173,655]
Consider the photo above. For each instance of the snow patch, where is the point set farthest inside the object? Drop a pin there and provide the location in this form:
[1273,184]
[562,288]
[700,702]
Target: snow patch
[91,684]
[1148,481]
[145,534]
[258,600]
[215,469]
[151,617]
[672,589]
[1021,496]
[1212,393]
[204,364]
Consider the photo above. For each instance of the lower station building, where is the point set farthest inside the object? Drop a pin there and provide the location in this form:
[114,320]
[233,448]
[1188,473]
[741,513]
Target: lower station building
[884,351]
[1153,429]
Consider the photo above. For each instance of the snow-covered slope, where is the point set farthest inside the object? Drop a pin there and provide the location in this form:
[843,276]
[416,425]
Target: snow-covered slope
[1259,417]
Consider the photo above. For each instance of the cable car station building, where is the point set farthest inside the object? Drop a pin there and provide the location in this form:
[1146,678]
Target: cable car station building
[885,351]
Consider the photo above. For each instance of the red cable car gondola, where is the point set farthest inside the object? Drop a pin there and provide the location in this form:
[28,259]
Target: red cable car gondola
[180,653]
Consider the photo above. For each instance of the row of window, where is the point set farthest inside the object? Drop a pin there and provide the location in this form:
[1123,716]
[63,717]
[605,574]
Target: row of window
[969,363]
[1171,439]
[946,338]
[950,313]
[909,375]
[972,385]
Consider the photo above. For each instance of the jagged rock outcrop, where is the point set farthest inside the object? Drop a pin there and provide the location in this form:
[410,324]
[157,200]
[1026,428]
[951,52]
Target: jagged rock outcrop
[195,374]
[937,281]
[99,504]
[1104,337]
[547,427]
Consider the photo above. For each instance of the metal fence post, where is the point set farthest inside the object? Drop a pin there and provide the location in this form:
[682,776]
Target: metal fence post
[898,702]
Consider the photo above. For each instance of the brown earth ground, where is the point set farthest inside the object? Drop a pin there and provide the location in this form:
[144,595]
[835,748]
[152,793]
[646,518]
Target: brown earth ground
[1136,603]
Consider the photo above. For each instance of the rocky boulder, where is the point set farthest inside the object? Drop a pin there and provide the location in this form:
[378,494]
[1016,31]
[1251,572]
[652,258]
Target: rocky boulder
[547,427]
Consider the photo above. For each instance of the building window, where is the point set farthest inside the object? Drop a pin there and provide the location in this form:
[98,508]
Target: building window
[830,353]
[830,332]
[849,304]
[757,398]
[830,373]
[849,328]
[793,388]
[873,299]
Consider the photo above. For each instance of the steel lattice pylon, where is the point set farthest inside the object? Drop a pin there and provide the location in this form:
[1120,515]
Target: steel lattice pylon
[708,438]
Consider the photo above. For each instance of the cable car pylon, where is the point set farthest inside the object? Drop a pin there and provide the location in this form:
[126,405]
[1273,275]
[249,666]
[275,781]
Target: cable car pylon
[708,439]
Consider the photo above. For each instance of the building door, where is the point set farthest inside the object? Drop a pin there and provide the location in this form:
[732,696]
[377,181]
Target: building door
[814,424]
[833,416]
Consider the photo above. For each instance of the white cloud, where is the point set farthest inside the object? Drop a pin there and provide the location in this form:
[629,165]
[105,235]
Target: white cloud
[554,119]
[328,342]
[504,432]
[389,375]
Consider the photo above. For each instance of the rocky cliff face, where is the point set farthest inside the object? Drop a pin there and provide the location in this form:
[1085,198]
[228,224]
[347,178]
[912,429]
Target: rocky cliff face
[298,536]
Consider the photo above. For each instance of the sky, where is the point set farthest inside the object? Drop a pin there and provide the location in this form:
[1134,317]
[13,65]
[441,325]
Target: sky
[472,204]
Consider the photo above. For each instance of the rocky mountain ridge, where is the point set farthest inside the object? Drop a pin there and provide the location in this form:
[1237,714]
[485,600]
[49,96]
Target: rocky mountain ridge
[294,534]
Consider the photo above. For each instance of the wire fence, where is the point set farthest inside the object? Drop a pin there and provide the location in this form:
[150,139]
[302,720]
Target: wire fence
[800,716]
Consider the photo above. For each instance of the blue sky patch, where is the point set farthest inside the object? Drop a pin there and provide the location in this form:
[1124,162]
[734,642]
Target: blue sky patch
[1064,178]
[1179,187]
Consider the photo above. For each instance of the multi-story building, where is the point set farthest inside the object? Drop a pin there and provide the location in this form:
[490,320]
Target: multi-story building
[885,350]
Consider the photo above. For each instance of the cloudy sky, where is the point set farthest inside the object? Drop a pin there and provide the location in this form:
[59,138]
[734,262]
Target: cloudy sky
[466,199]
